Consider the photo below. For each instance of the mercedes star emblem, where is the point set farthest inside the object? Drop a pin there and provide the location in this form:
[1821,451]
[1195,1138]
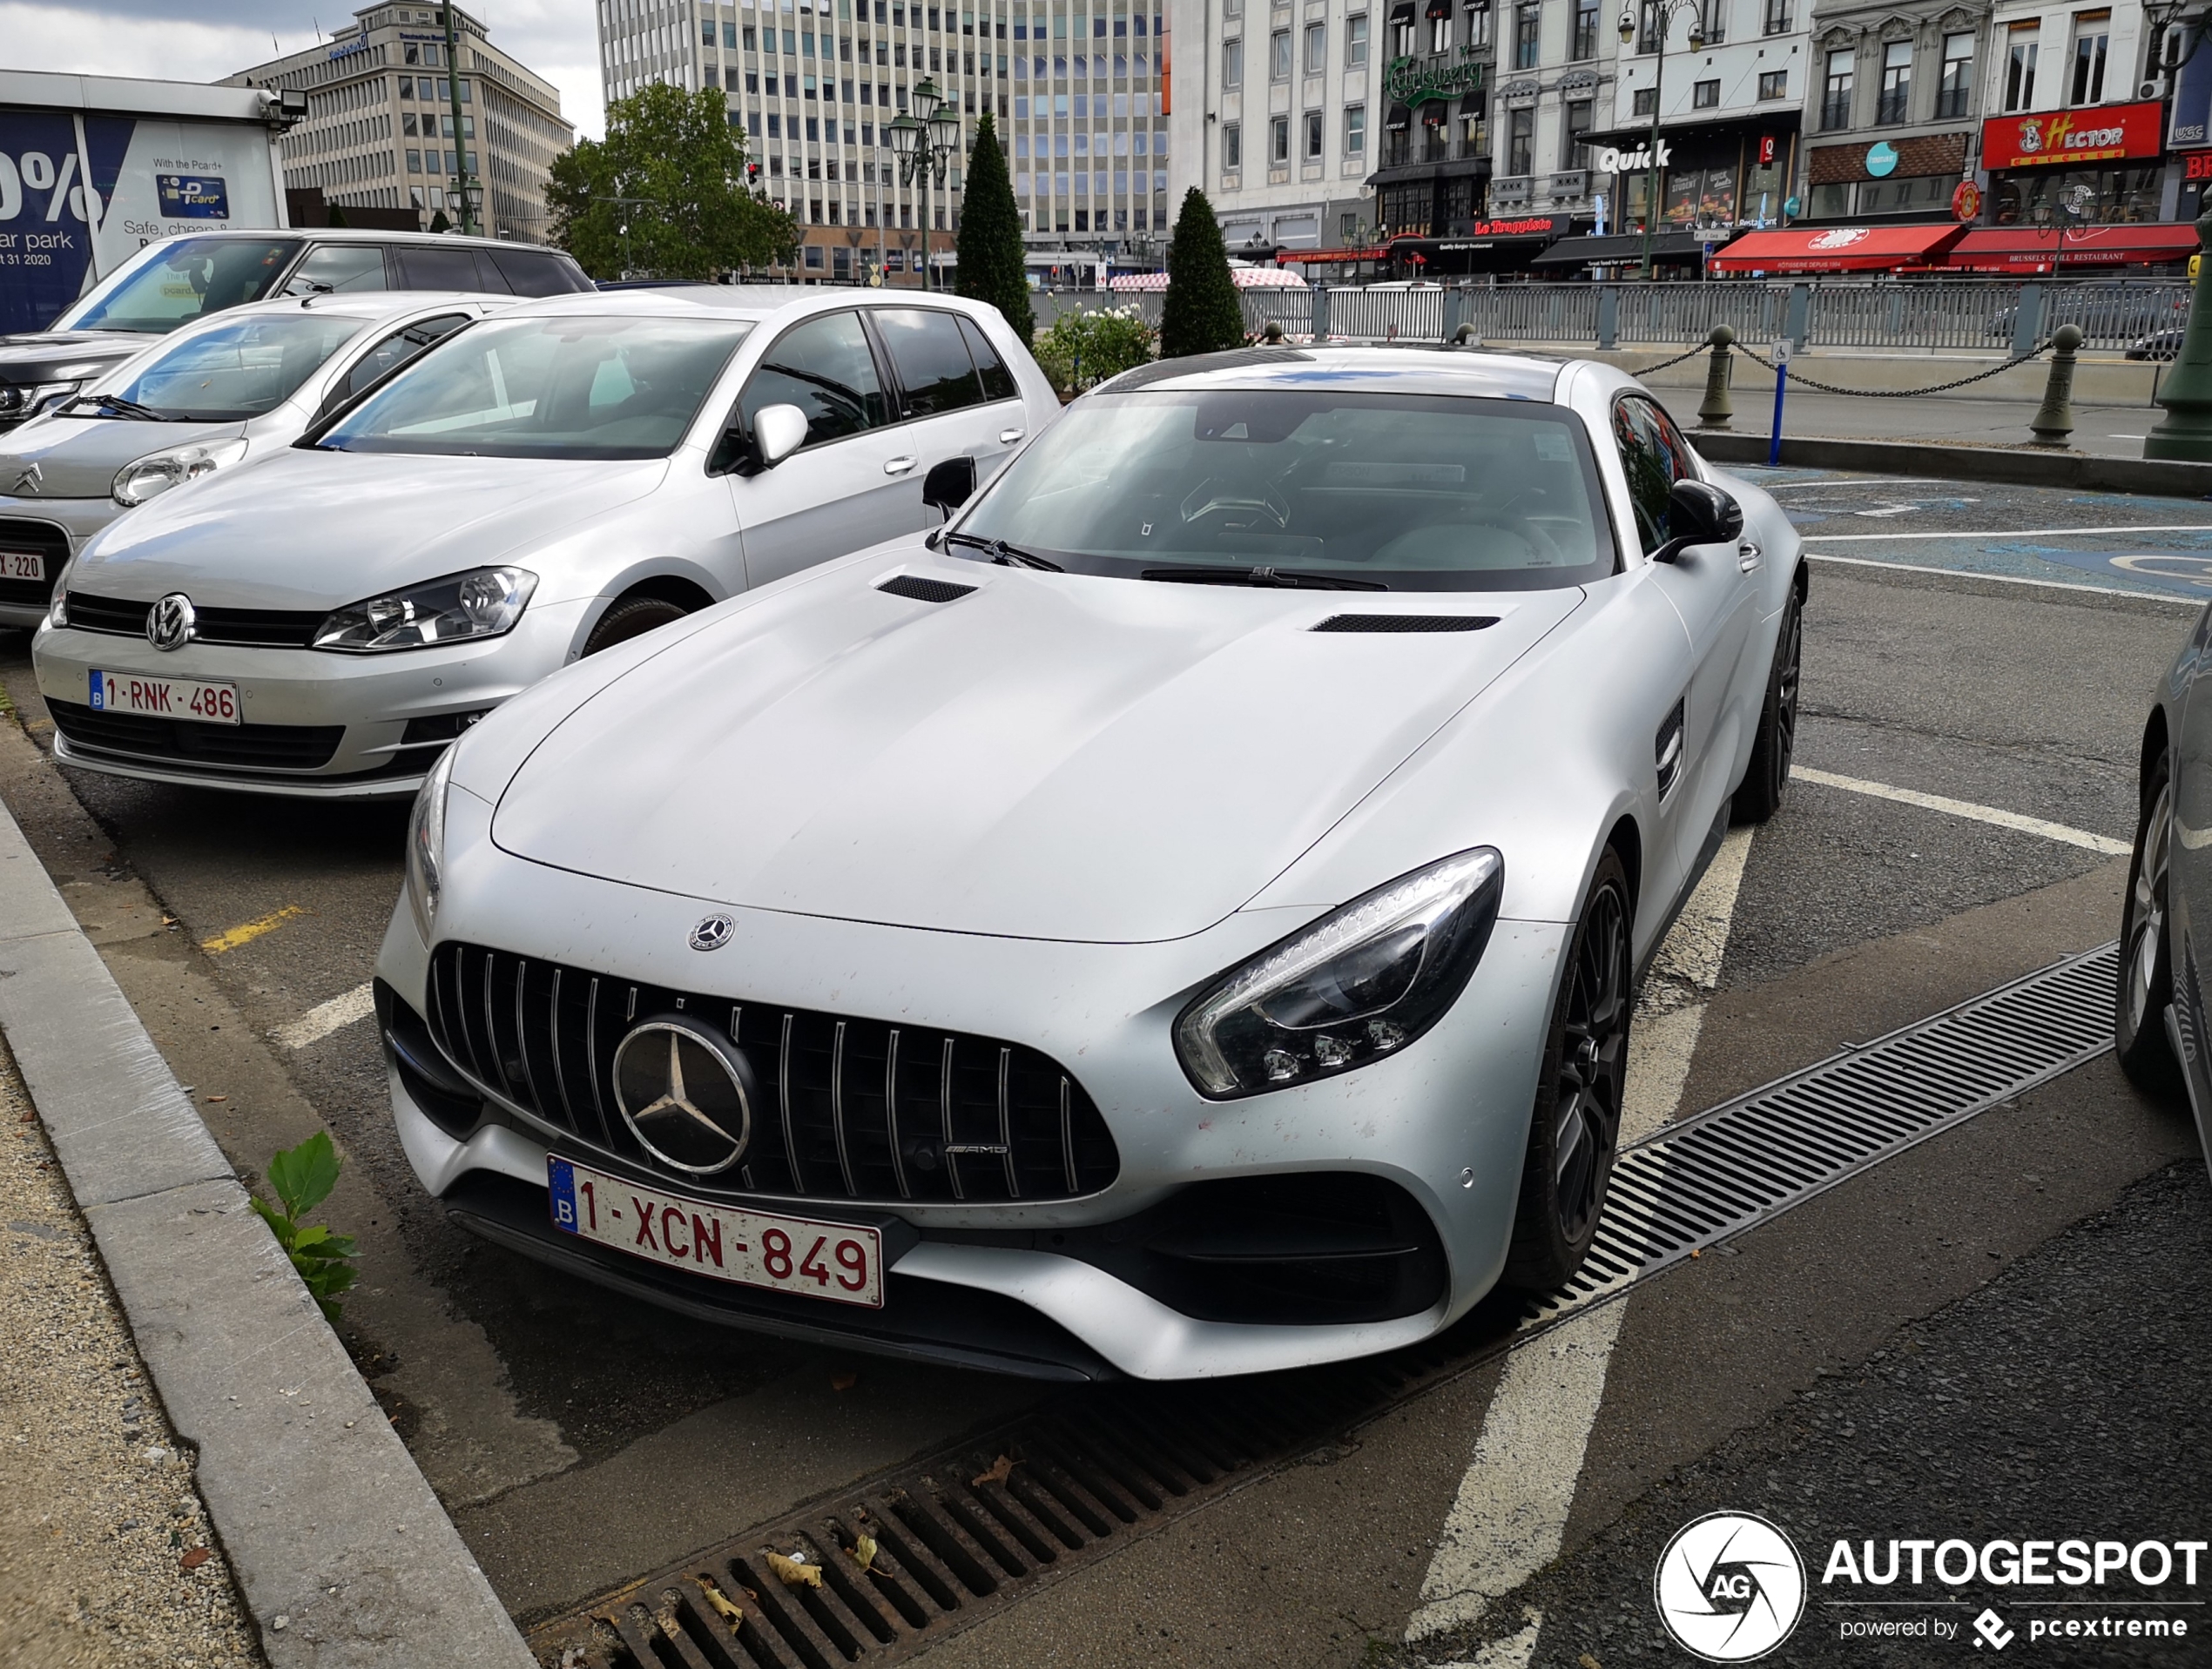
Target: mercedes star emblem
[31,479]
[713,933]
[685,1093]
[169,623]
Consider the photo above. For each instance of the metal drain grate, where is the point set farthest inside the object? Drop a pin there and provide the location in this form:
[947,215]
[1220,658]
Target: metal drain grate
[979,1525]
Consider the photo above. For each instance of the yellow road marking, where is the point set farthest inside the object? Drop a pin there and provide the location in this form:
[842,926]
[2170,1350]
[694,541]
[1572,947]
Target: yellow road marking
[253,930]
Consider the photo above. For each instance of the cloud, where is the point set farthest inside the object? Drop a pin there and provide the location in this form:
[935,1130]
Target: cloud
[205,40]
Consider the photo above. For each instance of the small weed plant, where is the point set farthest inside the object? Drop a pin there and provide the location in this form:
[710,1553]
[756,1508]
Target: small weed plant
[303,1177]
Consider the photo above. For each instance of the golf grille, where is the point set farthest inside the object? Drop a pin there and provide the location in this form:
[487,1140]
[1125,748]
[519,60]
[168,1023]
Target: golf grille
[857,1109]
[241,627]
[262,747]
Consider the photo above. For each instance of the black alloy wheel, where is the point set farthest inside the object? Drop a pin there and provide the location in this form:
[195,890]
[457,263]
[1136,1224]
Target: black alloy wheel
[2145,945]
[1767,779]
[629,617]
[1574,1130]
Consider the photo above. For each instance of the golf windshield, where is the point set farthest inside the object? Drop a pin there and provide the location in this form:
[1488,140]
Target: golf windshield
[1314,485]
[188,280]
[548,388]
[229,372]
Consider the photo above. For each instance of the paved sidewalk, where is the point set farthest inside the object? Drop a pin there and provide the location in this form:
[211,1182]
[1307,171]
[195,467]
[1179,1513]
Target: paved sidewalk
[106,1553]
[2110,431]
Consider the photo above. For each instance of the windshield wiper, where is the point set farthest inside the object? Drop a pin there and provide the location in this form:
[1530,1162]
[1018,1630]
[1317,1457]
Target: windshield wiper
[1272,578]
[1003,554]
[121,407]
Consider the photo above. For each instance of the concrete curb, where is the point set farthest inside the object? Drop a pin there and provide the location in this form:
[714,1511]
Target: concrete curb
[2017,466]
[344,1556]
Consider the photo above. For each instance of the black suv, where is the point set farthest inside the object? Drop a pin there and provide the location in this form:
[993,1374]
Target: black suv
[189,277]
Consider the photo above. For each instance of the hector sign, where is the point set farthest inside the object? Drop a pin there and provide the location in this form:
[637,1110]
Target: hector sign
[2058,139]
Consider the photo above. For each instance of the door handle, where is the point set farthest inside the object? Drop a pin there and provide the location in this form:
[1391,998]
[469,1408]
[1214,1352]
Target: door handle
[898,466]
[1749,555]
[1008,437]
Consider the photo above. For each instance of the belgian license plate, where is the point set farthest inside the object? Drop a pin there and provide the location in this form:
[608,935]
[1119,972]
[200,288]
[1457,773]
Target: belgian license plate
[23,565]
[841,1262]
[189,698]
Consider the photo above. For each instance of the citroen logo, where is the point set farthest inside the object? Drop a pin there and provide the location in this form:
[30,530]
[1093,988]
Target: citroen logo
[713,933]
[31,479]
[686,1095]
[169,623]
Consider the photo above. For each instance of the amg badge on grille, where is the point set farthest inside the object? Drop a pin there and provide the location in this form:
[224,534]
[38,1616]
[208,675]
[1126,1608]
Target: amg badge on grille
[713,933]
[685,1093]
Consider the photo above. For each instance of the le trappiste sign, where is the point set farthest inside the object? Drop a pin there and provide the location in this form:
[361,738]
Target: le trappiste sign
[2064,137]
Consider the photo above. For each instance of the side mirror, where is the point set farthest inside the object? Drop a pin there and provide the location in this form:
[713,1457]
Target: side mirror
[1702,514]
[949,484]
[778,431]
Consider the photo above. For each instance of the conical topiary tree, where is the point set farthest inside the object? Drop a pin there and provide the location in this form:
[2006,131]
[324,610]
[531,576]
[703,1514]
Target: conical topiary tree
[337,217]
[990,235]
[439,223]
[1200,314]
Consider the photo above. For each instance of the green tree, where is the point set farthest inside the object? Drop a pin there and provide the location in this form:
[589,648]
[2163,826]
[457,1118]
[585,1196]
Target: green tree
[693,215]
[1200,314]
[439,223]
[336,217]
[991,266]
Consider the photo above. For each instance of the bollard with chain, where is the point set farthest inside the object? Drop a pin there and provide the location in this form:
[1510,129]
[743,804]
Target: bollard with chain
[1272,331]
[1465,337]
[2054,422]
[1716,411]
[2185,432]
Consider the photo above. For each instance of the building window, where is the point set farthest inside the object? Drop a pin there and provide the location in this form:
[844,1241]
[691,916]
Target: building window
[1232,147]
[1958,75]
[1521,136]
[1313,136]
[2020,44]
[1778,17]
[1317,48]
[1705,95]
[1527,18]
[1478,27]
[1232,63]
[1355,42]
[1278,142]
[1279,56]
[1401,39]
[1436,139]
[1585,30]
[1643,101]
[1897,83]
[1715,21]
[1439,33]
[1572,154]
[2092,30]
[1834,98]
[1774,83]
[1355,131]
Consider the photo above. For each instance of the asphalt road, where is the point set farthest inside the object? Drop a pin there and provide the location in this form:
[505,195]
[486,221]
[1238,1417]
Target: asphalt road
[581,1440]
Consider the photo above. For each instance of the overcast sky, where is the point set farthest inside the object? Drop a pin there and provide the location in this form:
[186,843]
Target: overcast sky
[205,40]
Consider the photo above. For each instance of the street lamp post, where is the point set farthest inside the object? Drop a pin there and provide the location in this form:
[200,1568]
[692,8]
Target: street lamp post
[1662,13]
[465,187]
[924,140]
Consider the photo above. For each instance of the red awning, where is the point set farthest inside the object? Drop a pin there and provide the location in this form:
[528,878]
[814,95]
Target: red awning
[1835,249]
[2034,249]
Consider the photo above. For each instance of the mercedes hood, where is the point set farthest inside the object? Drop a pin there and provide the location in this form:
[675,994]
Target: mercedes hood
[309,529]
[1046,756]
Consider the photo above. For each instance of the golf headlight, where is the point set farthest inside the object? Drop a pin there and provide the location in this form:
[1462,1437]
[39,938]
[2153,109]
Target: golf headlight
[1360,982]
[426,845]
[481,603]
[158,472]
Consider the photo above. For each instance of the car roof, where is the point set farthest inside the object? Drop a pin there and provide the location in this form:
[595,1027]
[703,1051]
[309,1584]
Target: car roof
[363,235]
[358,304]
[1394,370]
[748,301]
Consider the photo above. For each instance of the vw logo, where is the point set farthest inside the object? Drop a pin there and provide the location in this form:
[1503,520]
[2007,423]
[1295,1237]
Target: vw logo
[686,1095]
[713,933]
[169,623]
[1729,1587]
[31,479]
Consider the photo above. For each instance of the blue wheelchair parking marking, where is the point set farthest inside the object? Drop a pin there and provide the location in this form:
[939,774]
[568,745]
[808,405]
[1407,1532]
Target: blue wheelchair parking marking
[561,1177]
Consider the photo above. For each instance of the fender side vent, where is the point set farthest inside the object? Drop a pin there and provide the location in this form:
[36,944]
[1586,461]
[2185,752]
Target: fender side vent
[1406,622]
[923,590]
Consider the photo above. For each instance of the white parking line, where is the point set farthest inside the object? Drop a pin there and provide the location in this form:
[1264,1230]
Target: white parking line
[2015,532]
[321,1020]
[2001,579]
[1883,481]
[2048,830]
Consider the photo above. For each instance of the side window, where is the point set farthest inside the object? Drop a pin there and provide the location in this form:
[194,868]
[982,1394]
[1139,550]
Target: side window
[339,267]
[998,381]
[1655,457]
[425,266]
[396,350]
[824,367]
[533,272]
[931,359]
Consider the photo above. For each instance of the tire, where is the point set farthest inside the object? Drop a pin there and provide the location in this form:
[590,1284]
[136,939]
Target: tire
[632,616]
[1767,779]
[2146,946]
[1575,1128]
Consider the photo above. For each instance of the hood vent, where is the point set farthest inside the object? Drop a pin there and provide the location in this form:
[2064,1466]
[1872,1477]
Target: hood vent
[924,590]
[1406,622]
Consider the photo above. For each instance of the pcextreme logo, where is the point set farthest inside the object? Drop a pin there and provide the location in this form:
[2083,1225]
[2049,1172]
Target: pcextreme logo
[1729,1587]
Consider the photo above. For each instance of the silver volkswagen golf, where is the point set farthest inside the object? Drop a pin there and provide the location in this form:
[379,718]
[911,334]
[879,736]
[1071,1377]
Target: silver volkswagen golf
[536,488]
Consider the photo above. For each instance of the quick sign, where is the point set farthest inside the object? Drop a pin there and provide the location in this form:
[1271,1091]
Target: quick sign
[2067,137]
[194,197]
[1610,160]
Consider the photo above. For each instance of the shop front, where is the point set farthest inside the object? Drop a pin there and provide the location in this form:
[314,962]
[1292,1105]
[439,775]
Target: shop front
[2031,252]
[1803,250]
[1888,182]
[1713,178]
[1505,244]
[2080,167]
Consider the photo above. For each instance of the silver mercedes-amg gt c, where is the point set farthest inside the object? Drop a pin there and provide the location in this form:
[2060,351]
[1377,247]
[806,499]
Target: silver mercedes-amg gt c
[1179,919]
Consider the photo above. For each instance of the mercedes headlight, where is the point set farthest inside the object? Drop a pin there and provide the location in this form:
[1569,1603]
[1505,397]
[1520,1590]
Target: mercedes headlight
[481,603]
[158,472]
[1361,983]
[426,845]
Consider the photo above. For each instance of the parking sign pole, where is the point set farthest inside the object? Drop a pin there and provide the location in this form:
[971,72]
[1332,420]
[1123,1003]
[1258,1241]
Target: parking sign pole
[1780,382]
